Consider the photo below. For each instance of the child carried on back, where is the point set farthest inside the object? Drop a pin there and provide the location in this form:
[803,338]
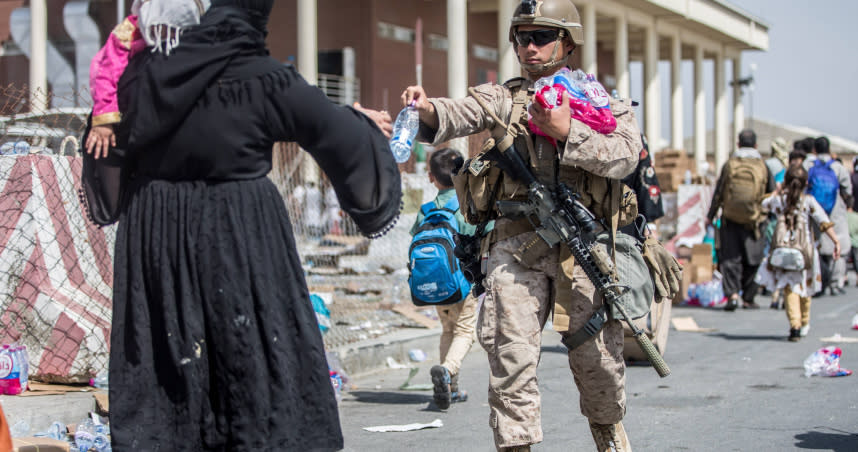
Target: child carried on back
[153,23]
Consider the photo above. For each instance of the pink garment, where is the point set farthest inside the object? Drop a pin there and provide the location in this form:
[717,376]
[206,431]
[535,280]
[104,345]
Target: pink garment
[108,65]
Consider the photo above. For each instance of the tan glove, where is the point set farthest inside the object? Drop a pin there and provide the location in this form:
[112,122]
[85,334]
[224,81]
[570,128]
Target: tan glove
[665,270]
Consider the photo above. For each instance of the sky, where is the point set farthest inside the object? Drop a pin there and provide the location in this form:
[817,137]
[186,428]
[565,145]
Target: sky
[808,77]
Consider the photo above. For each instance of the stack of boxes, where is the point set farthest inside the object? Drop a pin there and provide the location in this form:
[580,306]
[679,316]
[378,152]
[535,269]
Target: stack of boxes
[672,167]
[697,268]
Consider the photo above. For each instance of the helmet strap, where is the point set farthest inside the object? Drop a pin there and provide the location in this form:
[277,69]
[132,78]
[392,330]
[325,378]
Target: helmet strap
[557,60]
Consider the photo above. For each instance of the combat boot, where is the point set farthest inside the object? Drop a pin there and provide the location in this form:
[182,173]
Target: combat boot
[610,437]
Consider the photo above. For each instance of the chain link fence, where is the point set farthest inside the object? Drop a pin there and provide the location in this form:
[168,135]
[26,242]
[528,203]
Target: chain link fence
[56,269]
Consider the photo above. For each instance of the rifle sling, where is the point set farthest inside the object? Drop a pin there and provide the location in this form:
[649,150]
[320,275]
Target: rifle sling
[597,321]
[593,325]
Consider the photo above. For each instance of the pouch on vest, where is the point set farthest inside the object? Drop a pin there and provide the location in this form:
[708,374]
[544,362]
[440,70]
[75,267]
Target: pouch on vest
[436,276]
[632,272]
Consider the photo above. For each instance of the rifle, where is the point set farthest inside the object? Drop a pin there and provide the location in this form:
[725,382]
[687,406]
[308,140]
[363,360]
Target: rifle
[558,216]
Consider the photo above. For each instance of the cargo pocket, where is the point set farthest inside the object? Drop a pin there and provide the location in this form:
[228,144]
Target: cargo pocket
[487,323]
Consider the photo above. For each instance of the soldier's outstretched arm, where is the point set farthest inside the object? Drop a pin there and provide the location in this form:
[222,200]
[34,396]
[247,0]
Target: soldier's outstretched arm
[614,155]
[446,118]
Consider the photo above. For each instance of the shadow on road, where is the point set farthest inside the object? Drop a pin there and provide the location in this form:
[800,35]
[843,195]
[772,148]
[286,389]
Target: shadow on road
[837,441]
[749,337]
[396,398]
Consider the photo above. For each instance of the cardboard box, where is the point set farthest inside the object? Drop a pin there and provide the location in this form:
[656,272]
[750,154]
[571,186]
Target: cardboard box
[32,444]
[685,284]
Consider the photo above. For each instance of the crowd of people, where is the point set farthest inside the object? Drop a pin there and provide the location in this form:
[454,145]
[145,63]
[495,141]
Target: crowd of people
[788,225]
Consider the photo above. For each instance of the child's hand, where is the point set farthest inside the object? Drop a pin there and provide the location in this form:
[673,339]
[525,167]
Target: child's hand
[100,139]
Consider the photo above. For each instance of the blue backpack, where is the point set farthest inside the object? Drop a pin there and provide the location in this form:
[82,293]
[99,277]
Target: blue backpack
[436,276]
[822,183]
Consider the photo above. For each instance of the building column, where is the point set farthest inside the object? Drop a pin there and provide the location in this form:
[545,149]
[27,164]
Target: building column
[621,57]
[308,65]
[507,61]
[652,85]
[457,58]
[308,49]
[738,102]
[676,124]
[38,56]
[722,141]
[700,111]
[588,53]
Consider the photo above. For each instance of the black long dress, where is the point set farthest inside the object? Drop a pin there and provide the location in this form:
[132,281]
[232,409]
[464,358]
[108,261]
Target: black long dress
[214,343]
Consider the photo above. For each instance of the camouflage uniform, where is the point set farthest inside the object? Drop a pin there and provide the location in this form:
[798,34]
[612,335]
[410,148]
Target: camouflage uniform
[520,298]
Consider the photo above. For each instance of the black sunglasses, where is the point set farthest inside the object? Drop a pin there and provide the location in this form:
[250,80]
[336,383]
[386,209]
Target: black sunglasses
[538,37]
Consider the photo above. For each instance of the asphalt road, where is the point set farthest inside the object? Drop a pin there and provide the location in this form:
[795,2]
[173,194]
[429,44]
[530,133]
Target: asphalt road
[739,388]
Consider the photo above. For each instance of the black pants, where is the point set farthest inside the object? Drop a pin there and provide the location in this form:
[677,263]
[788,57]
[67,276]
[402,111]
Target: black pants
[739,276]
[826,264]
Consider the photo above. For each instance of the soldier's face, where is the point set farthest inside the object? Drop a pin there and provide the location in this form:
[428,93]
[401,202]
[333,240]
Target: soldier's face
[532,48]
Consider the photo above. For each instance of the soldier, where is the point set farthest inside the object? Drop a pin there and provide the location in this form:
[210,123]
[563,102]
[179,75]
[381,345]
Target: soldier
[525,284]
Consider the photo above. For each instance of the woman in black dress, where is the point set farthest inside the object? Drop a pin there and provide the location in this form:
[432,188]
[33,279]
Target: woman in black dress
[214,343]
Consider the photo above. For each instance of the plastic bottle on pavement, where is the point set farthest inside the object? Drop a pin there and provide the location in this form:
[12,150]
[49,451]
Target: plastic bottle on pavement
[84,436]
[101,443]
[101,381]
[404,131]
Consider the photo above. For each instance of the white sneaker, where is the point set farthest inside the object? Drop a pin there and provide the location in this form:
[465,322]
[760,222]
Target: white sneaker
[804,330]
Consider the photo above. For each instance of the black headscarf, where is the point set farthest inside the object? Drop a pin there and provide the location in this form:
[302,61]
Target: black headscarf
[158,91]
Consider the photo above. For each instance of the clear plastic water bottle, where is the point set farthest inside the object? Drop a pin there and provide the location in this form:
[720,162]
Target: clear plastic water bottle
[101,443]
[84,437]
[101,381]
[404,131]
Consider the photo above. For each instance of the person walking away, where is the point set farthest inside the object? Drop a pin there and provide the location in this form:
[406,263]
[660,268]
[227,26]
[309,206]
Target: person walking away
[157,24]
[829,182]
[458,320]
[214,343]
[743,183]
[777,164]
[852,216]
[524,285]
[795,210]
[854,180]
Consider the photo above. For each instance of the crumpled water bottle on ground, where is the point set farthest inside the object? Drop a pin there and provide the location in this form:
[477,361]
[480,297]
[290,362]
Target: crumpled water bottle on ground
[855,322]
[825,362]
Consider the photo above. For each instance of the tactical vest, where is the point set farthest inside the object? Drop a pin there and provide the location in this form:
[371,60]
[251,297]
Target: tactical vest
[480,182]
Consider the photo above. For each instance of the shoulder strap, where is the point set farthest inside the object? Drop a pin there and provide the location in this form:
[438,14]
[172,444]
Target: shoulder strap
[452,204]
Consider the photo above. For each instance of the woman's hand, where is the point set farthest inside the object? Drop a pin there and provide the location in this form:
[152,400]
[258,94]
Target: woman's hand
[416,97]
[100,139]
[381,118]
[555,122]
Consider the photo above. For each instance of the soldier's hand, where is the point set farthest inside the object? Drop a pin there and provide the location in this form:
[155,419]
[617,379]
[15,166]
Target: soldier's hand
[554,122]
[416,96]
[381,118]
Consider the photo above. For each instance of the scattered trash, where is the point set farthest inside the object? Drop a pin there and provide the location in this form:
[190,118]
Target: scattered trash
[101,381]
[407,386]
[689,325]
[20,429]
[404,428]
[57,431]
[323,314]
[417,355]
[825,362]
[840,339]
[393,364]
